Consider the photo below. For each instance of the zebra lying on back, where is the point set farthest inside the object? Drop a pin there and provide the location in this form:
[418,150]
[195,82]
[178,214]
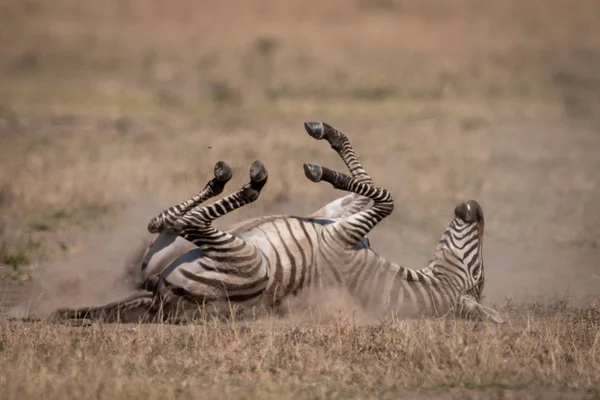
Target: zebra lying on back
[265,260]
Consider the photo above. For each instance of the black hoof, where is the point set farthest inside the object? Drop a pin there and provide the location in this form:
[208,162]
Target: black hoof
[469,211]
[315,129]
[258,172]
[222,172]
[313,172]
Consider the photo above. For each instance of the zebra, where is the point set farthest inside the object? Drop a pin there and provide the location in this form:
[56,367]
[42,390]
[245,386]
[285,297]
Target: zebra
[267,259]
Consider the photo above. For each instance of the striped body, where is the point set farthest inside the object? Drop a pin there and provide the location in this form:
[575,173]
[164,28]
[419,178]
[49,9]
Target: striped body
[302,256]
[290,247]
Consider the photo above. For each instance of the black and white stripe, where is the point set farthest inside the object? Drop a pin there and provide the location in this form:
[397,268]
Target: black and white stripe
[164,222]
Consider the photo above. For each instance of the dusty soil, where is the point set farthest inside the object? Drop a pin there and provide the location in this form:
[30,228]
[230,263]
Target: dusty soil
[111,111]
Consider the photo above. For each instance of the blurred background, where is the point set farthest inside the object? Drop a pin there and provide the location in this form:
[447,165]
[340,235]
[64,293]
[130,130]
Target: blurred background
[111,111]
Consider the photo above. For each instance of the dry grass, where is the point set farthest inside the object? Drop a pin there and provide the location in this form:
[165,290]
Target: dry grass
[335,359]
[110,111]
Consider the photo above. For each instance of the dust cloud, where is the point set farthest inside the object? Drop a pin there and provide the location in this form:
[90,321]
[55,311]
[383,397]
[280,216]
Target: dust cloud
[323,307]
[103,268]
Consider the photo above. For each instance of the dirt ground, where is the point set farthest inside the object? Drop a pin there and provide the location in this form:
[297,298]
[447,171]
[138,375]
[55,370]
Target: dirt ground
[111,111]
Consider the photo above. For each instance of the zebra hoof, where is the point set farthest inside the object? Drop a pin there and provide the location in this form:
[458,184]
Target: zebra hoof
[315,129]
[313,172]
[258,172]
[222,172]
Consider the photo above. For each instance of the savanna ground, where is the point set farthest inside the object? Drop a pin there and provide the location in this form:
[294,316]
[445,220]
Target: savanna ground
[111,111]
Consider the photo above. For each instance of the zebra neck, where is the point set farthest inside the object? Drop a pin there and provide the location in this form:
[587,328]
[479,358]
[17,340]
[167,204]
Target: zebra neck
[423,292]
[379,282]
[448,272]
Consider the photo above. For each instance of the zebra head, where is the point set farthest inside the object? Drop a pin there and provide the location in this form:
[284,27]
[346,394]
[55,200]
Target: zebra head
[459,253]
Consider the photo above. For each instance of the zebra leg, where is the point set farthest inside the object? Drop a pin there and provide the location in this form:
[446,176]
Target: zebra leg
[351,203]
[340,143]
[164,221]
[195,225]
[469,307]
[229,269]
[348,231]
[135,308]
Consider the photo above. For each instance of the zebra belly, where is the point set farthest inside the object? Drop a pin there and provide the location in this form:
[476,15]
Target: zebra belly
[289,247]
[164,249]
